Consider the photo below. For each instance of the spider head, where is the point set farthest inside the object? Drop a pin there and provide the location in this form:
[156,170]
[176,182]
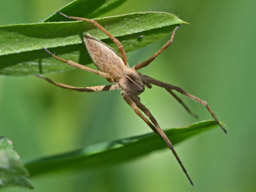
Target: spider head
[131,81]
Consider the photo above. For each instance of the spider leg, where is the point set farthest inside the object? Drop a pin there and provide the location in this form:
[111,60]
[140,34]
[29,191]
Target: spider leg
[100,27]
[182,103]
[81,89]
[175,96]
[172,87]
[135,103]
[132,104]
[79,66]
[167,44]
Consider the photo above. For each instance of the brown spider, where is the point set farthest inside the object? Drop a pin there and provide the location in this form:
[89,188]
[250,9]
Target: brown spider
[117,71]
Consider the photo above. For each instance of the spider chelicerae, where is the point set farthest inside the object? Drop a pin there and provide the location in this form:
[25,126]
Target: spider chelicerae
[127,79]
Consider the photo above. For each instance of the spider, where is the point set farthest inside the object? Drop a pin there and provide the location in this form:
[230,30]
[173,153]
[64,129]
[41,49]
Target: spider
[127,79]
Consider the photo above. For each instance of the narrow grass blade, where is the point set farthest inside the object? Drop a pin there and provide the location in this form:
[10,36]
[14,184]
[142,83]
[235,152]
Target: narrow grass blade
[85,8]
[114,152]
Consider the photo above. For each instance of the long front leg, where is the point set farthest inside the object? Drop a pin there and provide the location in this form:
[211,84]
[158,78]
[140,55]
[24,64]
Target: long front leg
[100,27]
[172,87]
[81,89]
[159,131]
[132,104]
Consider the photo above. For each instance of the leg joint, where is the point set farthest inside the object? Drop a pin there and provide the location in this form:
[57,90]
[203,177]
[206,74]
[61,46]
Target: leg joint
[204,103]
[120,47]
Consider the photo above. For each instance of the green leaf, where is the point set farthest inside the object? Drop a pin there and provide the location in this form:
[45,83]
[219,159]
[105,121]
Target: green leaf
[85,8]
[21,45]
[108,6]
[114,152]
[12,172]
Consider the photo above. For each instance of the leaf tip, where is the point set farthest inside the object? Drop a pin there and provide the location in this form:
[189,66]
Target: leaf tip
[185,22]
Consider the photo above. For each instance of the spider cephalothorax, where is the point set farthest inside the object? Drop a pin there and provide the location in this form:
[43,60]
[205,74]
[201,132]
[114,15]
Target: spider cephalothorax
[131,81]
[117,71]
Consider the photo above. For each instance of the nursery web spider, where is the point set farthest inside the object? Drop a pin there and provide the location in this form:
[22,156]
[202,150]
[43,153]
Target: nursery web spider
[127,79]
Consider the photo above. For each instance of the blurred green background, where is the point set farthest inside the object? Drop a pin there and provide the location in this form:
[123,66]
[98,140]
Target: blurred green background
[213,58]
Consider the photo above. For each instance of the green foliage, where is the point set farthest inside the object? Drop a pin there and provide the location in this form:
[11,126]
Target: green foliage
[21,54]
[21,45]
[85,8]
[12,172]
[114,152]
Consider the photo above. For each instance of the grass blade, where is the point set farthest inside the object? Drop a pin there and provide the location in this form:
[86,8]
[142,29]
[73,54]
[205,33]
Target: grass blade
[85,8]
[114,152]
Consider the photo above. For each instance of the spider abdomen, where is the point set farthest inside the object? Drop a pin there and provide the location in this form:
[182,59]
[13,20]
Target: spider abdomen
[104,57]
